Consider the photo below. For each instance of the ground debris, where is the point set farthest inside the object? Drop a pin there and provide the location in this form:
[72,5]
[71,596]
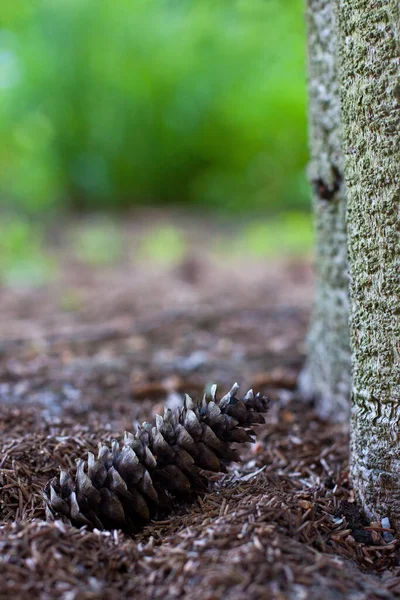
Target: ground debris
[281,524]
[271,527]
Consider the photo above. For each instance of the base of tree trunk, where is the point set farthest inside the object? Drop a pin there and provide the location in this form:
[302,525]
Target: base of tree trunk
[326,375]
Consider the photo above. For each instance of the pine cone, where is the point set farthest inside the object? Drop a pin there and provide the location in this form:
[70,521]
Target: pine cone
[126,486]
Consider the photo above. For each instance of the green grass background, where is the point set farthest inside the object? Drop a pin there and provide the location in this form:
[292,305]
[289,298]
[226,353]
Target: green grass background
[112,104]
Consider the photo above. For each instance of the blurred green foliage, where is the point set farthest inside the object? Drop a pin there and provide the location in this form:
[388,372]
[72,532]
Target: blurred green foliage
[97,242]
[287,234]
[23,260]
[165,245]
[116,102]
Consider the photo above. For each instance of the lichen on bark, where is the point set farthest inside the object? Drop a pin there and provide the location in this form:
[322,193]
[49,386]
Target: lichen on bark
[370,75]
[326,374]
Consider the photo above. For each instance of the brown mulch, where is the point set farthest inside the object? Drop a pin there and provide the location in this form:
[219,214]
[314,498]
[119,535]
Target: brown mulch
[281,524]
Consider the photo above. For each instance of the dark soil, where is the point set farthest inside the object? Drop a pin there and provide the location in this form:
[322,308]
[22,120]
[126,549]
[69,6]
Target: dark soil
[281,524]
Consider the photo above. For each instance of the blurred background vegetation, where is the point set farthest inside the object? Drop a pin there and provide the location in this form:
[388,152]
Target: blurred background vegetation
[112,104]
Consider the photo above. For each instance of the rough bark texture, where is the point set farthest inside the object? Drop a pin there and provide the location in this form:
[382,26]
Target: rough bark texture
[370,78]
[326,375]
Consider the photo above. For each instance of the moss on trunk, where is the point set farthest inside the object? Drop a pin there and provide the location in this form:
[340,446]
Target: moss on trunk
[370,76]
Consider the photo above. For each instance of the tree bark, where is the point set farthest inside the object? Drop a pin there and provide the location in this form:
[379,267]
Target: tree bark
[370,95]
[326,375]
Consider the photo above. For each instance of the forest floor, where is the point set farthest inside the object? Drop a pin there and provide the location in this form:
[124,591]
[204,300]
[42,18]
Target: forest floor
[85,357]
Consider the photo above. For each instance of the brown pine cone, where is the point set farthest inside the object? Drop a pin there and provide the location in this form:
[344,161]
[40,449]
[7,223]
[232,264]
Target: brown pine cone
[129,484]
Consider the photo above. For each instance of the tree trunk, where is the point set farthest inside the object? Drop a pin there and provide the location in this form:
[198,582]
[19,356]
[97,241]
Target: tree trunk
[370,92]
[326,375]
